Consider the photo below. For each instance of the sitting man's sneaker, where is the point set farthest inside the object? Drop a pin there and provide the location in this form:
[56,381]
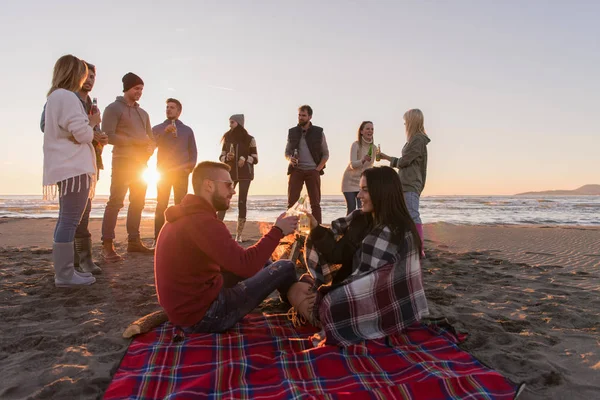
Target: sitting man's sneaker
[136,246]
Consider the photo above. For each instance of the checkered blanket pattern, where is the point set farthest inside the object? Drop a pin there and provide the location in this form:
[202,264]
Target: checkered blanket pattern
[265,357]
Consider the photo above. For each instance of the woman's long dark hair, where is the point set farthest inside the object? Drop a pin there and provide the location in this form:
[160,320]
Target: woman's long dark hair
[389,208]
[239,134]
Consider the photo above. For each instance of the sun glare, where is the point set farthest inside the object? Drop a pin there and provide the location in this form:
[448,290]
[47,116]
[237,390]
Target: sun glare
[151,176]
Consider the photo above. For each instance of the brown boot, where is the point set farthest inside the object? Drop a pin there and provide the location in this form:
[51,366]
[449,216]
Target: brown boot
[301,296]
[108,252]
[136,246]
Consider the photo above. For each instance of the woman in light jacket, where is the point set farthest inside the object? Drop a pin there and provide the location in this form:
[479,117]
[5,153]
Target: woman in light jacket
[242,161]
[69,164]
[412,166]
[359,161]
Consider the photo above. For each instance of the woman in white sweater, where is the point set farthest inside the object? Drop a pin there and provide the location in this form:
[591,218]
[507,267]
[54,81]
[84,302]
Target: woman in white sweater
[359,161]
[69,163]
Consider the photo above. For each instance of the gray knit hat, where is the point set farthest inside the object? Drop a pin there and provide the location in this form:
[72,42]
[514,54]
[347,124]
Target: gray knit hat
[239,118]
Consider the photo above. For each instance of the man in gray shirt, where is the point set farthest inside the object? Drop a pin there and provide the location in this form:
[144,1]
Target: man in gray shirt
[129,131]
[307,153]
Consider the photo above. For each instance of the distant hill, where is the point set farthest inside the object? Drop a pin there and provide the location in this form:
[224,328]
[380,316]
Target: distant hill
[593,190]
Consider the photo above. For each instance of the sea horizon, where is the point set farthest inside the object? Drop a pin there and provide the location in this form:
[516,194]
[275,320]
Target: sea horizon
[581,210]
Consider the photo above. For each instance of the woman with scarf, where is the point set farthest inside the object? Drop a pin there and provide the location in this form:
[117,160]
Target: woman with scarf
[239,152]
[69,164]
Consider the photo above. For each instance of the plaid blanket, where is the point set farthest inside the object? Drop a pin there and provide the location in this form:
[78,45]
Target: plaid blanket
[265,357]
[383,296]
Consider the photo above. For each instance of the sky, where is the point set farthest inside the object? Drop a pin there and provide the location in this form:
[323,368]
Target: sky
[510,90]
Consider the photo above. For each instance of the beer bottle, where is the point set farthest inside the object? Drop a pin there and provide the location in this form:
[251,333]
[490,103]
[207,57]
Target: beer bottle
[174,127]
[378,153]
[94,110]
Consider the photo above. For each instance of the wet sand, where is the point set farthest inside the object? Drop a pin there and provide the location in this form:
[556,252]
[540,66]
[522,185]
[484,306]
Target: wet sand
[528,296]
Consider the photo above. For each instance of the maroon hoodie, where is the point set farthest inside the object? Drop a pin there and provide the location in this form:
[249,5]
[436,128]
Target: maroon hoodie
[191,251]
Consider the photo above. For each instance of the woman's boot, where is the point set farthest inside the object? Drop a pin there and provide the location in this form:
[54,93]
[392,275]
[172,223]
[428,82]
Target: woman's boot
[240,228]
[420,230]
[64,272]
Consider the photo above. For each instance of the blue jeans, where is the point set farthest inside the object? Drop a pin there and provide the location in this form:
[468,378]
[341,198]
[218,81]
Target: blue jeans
[412,203]
[352,201]
[71,208]
[232,304]
[82,229]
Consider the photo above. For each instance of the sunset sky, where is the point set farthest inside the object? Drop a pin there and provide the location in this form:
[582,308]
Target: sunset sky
[510,89]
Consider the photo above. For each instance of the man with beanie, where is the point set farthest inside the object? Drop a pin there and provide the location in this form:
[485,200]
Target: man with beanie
[307,152]
[129,131]
[177,156]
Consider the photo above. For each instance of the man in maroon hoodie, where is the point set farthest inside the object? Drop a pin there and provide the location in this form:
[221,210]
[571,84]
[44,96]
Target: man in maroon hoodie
[195,249]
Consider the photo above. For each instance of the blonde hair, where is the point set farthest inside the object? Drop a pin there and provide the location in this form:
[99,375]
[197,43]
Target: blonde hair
[69,73]
[414,122]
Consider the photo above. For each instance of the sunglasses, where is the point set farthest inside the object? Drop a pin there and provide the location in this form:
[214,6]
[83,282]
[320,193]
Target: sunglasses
[229,184]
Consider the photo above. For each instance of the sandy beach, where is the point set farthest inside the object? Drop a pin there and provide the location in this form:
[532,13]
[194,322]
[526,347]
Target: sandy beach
[528,296]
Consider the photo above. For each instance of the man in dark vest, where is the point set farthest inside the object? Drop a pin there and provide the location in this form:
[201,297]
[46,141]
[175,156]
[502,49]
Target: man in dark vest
[307,153]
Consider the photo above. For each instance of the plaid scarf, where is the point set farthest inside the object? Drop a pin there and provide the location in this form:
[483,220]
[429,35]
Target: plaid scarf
[383,295]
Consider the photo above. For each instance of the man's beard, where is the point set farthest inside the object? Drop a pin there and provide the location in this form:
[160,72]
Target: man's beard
[219,202]
[302,123]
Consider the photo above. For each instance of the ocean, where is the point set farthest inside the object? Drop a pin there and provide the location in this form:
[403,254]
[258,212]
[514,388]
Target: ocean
[470,210]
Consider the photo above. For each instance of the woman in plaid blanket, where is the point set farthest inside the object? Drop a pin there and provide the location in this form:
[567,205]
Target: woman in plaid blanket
[365,274]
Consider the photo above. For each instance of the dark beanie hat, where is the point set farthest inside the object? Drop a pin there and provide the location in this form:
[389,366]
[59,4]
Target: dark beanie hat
[130,80]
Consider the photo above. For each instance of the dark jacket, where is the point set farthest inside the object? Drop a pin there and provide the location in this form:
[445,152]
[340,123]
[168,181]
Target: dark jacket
[246,148]
[314,140]
[192,251]
[342,251]
[413,164]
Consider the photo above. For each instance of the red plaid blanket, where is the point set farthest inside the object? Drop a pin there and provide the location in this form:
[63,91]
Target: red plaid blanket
[265,357]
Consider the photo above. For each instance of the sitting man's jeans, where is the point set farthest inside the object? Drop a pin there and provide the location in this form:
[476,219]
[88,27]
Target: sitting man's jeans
[233,303]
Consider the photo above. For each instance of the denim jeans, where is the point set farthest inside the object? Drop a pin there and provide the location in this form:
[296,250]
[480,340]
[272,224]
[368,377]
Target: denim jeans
[71,207]
[412,203]
[352,201]
[178,180]
[83,231]
[232,304]
[126,175]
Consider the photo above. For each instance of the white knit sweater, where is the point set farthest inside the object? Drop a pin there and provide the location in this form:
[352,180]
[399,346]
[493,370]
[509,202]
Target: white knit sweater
[355,168]
[66,119]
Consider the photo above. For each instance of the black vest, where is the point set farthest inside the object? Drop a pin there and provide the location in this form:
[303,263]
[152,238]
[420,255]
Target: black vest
[314,140]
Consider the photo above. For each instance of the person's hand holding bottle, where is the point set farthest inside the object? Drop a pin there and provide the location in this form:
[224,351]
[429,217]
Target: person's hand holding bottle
[287,224]
[95,119]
